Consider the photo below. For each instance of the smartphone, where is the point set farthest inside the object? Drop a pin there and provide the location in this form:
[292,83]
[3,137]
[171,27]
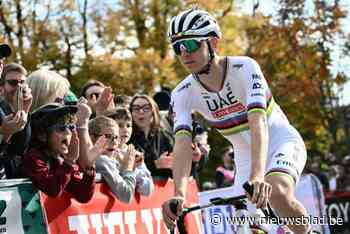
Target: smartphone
[19,99]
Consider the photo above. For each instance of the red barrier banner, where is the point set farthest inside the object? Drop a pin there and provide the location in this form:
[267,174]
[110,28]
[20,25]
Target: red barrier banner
[104,214]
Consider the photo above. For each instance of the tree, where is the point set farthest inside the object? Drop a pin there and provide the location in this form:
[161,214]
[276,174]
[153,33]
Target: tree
[295,54]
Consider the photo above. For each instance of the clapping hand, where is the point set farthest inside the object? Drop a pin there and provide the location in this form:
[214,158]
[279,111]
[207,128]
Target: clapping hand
[165,161]
[105,101]
[13,123]
[73,149]
[128,158]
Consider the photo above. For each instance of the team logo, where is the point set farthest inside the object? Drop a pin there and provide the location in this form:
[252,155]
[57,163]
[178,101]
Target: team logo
[257,86]
[256,77]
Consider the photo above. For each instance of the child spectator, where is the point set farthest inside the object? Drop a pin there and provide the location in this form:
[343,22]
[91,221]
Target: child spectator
[117,171]
[54,149]
[144,182]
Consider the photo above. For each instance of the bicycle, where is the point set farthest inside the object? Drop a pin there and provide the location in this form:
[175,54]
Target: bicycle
[239,203]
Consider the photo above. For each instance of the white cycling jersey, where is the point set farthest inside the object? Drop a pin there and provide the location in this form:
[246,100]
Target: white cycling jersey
[243,90]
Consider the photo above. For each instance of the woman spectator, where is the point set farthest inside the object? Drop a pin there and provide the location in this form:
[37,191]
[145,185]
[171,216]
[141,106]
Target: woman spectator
[47,87]
[225,174]
[148,137]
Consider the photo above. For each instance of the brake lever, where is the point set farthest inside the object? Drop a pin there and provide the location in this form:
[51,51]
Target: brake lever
[249,188]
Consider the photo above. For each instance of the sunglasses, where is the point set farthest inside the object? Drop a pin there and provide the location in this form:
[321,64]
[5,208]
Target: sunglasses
[62,127]
[190,46]
[15,82]
[97,95]
[144,108]
[112,138]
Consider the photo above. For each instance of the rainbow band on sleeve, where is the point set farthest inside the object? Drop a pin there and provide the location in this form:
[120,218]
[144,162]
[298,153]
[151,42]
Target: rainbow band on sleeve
[256,107]
[239,123]
[183,130]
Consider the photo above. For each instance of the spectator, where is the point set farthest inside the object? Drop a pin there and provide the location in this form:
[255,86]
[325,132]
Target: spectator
[117,171]
[225,174]
[15,128]
[314,168]
[346,161]
[331,159]
[200,144]
[5,51]
[148,137]
[201,151]
[122,101]
[47,87]
[162,99]
[99,97]
[144,182]
[54,149]
[333,177]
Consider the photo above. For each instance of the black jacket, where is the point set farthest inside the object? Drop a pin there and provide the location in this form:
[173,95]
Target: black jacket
[152,147]
[10,154]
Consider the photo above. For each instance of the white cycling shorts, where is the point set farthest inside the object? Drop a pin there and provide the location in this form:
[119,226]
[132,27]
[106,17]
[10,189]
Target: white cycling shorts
[288,157]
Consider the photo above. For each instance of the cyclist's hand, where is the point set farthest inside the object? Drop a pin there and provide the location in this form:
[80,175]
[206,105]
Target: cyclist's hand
[168,216]
[261,194]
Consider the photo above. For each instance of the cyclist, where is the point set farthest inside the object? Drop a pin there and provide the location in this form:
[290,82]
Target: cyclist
[233,95]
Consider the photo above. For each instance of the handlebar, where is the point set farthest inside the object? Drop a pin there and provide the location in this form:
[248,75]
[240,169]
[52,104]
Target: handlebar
[248,187]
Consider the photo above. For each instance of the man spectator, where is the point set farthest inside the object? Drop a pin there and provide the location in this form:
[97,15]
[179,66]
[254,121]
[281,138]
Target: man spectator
[15,130]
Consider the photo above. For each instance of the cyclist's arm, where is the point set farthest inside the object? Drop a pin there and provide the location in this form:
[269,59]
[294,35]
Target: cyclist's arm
[182,163]
[257,95]
[181,102]
[259,141]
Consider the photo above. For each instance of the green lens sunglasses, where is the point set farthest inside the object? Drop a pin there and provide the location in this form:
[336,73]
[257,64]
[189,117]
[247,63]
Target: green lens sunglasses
[190,46]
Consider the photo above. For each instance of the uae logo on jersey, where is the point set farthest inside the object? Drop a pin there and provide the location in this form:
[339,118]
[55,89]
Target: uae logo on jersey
[225,105]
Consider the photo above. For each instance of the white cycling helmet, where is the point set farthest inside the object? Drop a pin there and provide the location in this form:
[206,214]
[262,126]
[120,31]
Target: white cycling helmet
[193,23]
